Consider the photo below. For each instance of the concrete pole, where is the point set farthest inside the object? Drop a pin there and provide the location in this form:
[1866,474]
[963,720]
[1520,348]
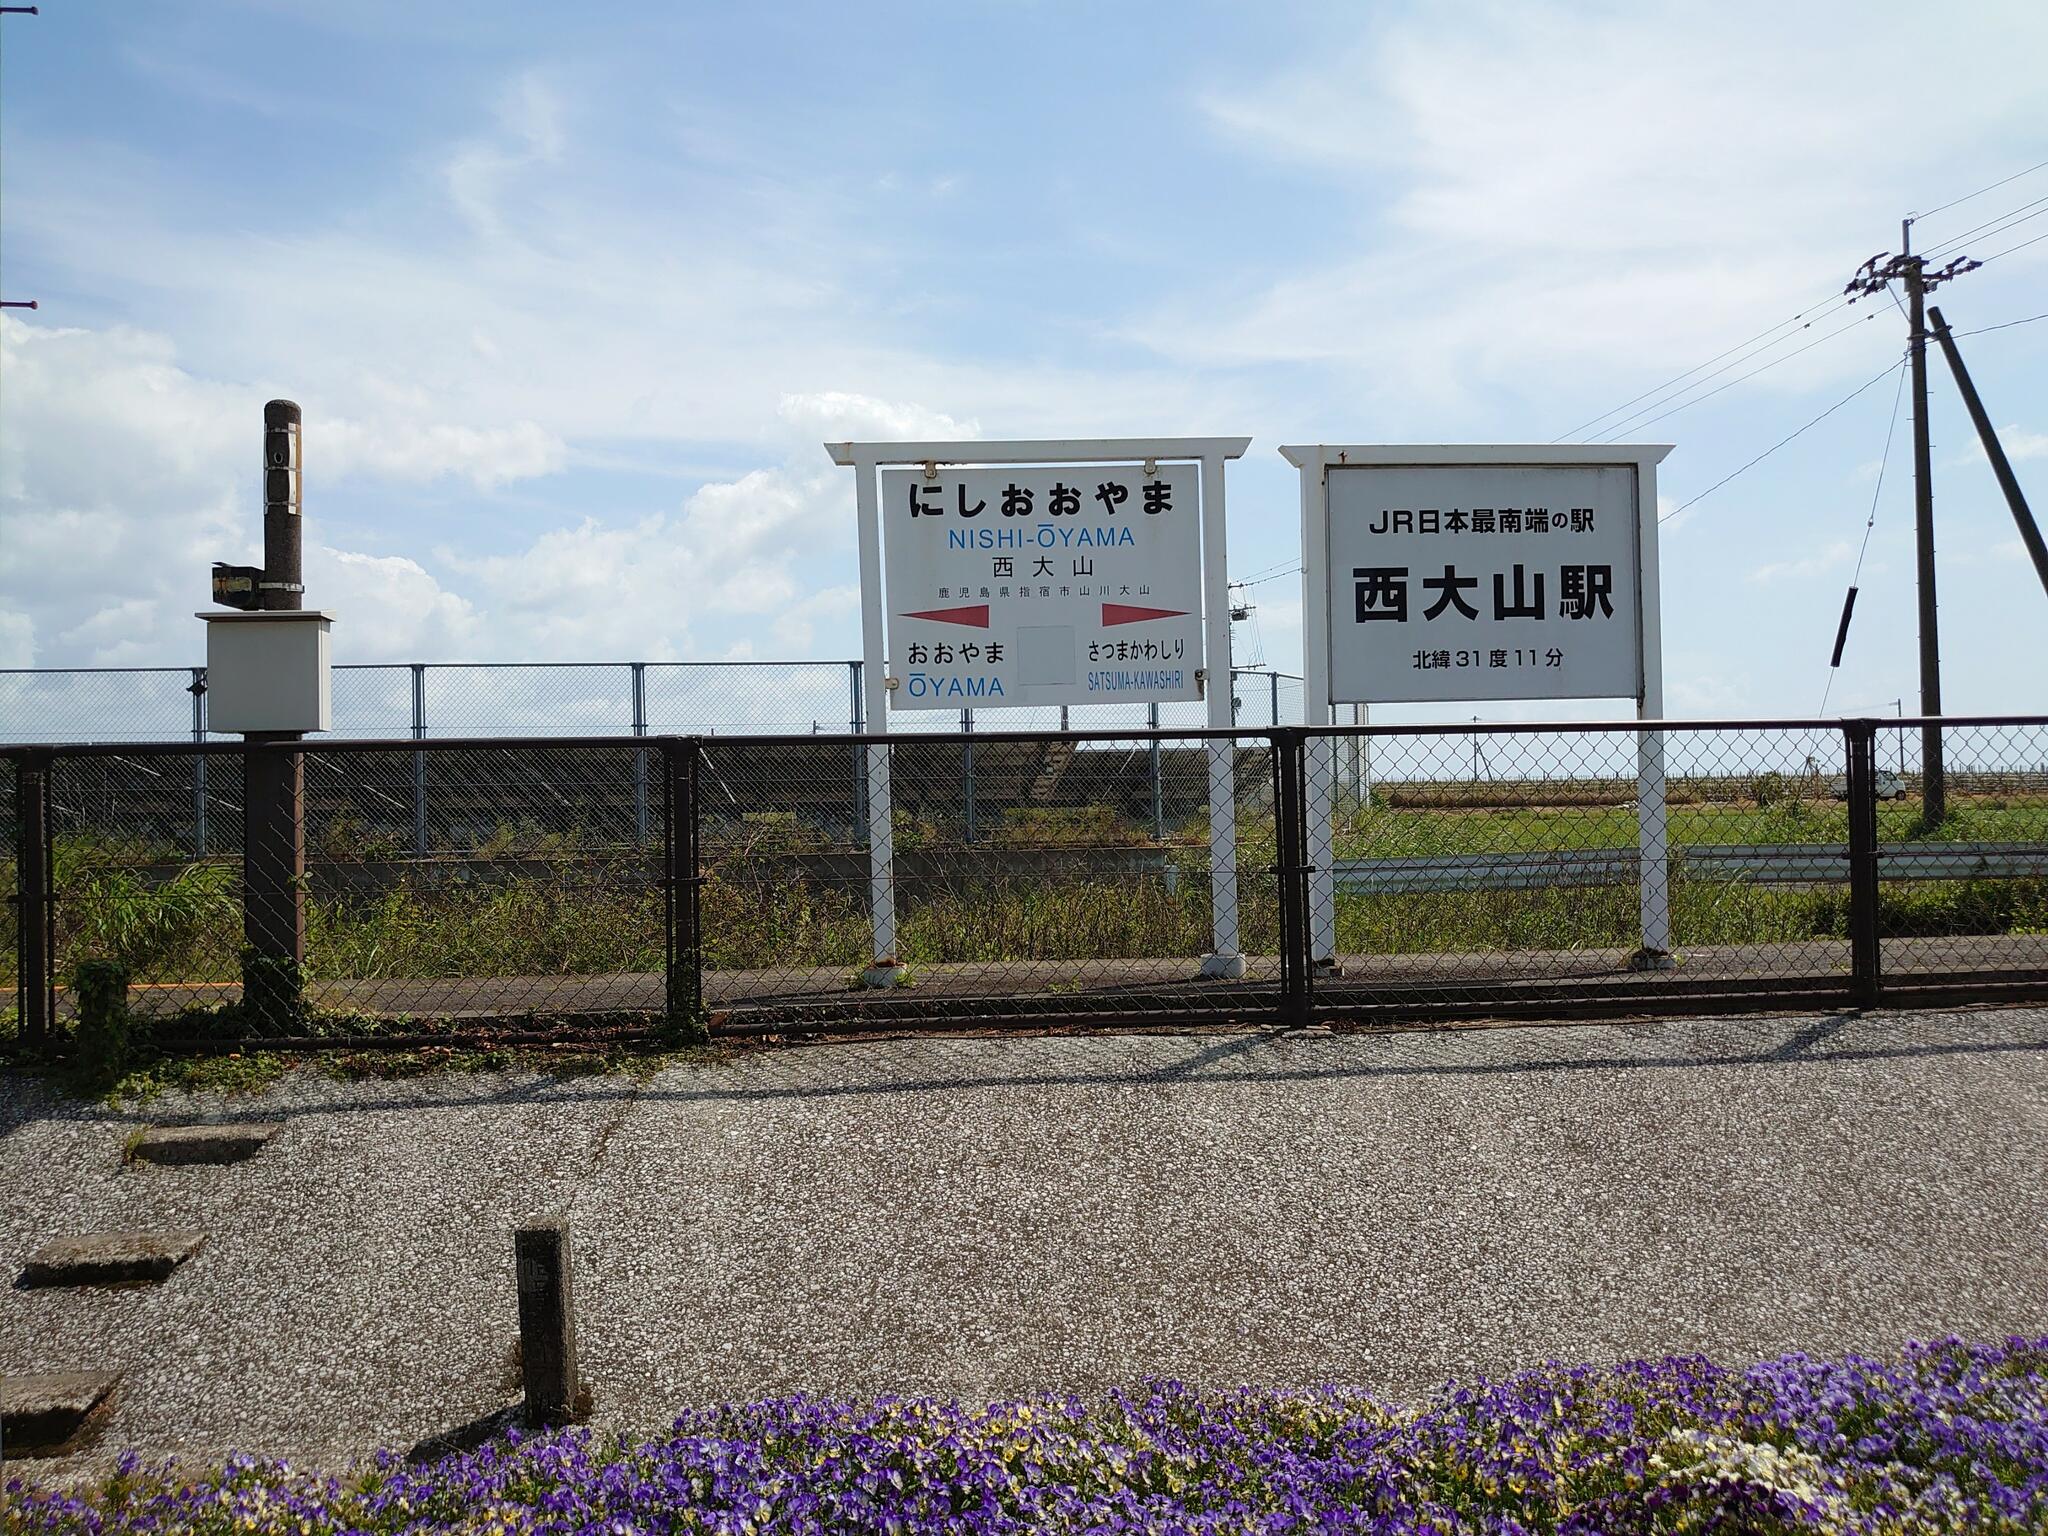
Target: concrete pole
[1933,788]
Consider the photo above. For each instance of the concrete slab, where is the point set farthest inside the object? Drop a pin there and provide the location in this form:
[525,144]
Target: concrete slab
[44,1415]
[181,1144]
[110,1258]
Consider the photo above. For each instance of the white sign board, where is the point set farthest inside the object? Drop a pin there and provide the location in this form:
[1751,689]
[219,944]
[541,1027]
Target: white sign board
[1068,584]
[1452,582]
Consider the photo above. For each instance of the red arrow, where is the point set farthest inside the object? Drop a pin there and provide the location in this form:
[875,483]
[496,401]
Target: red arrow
[1124,613]
[974,618]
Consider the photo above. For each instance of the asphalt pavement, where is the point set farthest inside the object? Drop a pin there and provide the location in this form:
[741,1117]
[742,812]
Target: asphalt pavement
[984,1217]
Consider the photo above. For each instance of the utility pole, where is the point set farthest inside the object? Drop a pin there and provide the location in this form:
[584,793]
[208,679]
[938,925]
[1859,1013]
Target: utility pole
[1875,276]
[1933,781]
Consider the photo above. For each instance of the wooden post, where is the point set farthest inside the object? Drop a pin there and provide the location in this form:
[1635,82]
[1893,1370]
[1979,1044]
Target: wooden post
[547,1322]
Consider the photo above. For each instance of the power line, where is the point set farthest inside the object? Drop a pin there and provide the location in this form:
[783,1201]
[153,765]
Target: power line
[1265,571]
[1632,425]
[2001,326]
[2015,176]
[1655,389]
[1629,423]
[1823,416]
[2011,248]
[1870,522]
[1804,315]
[2003,222]
[1260,581]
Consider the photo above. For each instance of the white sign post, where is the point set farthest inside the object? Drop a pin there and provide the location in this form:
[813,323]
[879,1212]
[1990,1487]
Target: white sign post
[1442,573]
[1085,571]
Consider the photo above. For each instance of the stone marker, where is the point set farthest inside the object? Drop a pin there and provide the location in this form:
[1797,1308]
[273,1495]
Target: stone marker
[547,1322]
[40,1414]
[203,1143]
[110,1258]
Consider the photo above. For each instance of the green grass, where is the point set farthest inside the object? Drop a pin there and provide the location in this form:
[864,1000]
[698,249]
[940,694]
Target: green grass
[1388,833]
[573,913]
[241,1073]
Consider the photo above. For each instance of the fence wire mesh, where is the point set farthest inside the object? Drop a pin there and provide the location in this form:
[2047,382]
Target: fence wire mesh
[145,854]
[100,704]
[1037,875]
[1967,895]
[1267,876]
[1475,866]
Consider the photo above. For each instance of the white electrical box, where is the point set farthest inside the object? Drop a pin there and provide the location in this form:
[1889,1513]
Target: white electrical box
[268,672]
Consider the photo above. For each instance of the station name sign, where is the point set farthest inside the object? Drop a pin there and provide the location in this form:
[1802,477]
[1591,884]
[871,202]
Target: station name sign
[1068,584]
[1456,582]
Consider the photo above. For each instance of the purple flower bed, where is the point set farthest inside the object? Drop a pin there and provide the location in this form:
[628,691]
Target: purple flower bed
[1949,1437]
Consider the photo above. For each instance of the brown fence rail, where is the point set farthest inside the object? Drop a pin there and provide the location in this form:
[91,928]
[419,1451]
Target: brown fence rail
[569,887]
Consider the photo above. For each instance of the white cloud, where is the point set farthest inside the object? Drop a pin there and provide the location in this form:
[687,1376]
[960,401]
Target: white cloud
[1535,194]
[390,608]
[796,628]
[1835,556]
[17,640]
[123,476]
[1702,695]
[413,450]
[2021,444]
[529,119]
[835,416]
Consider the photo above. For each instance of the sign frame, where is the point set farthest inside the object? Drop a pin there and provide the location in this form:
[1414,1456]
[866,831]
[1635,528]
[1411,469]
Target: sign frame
[865,459]
[1315,461]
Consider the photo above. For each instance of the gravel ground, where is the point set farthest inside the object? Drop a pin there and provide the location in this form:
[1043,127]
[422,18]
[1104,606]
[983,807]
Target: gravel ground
[991,1216]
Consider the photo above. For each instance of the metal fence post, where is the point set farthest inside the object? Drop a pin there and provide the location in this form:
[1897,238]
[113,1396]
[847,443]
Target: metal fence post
[693,878]
[967,770]
[34,907]
[419,761]
[1866,965]
[1158,787]
[1273,708]
[1290,874]
[198,692]
[860,756]
[640,757]
[683,989]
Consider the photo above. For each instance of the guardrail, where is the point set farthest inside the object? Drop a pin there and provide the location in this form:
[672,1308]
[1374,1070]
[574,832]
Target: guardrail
[1757,863]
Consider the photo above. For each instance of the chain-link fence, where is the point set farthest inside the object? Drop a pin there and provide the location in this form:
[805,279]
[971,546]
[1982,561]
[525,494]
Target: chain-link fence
[805,882]
[1969,897]
[458,699]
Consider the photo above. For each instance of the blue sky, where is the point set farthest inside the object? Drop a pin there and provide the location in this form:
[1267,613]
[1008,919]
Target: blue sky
[571,295]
